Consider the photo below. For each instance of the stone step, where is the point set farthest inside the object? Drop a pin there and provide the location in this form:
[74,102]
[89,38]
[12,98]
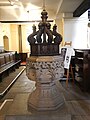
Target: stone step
[38,117]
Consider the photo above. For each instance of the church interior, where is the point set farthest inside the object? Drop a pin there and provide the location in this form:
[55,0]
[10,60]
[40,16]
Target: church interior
[44,60]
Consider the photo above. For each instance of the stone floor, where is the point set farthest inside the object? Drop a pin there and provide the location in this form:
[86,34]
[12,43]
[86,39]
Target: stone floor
[13,106]
[9,80]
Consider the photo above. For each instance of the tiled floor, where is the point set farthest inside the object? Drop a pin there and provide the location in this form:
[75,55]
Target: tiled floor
[77,103]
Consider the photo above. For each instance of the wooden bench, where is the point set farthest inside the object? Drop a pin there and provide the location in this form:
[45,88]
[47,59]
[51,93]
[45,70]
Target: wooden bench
[8,63]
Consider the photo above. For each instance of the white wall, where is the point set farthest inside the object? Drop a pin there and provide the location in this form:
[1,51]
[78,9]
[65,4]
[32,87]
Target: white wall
[88,41]
[1,36]
[75,30]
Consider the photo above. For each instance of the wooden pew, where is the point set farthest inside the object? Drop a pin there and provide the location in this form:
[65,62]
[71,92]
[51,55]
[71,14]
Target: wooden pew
[8,63]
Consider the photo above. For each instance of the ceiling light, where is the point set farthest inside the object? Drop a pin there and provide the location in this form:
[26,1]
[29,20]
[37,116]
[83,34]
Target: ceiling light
[11,2]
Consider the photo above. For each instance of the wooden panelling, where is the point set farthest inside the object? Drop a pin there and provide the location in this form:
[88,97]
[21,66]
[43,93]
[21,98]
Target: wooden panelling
[2,61]
[82,68]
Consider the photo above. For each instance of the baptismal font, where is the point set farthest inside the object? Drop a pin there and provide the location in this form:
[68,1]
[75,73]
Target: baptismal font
[45,66]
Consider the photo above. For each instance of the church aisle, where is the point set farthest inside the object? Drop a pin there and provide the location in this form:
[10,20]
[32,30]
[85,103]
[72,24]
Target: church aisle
[15,101]
[8,81]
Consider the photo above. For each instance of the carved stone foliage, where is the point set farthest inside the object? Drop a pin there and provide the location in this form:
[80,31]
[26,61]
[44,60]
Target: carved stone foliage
[45,65]
[45,70]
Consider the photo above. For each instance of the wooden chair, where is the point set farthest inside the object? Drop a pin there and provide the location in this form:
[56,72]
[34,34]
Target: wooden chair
[68,43]
[68,73]
[68,67]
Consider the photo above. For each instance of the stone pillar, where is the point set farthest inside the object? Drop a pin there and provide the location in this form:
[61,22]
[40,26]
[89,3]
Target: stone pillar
[45,70]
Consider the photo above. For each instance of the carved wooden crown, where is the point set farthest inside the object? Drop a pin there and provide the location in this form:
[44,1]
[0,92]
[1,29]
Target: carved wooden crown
[44,41]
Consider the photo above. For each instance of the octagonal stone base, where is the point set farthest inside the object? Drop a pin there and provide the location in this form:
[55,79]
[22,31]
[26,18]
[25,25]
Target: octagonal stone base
[45,70]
